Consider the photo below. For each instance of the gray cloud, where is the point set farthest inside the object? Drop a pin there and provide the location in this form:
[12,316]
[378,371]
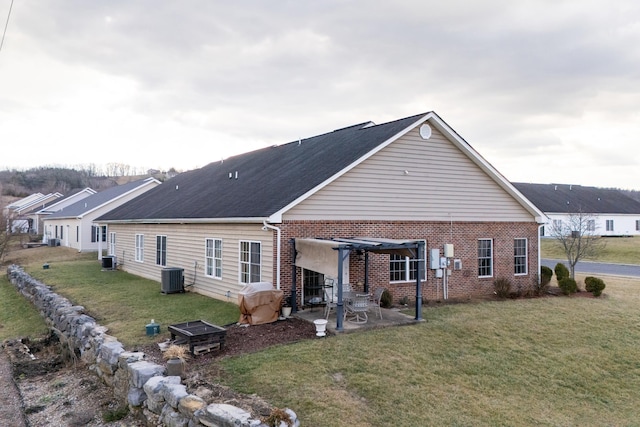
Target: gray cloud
[513,78]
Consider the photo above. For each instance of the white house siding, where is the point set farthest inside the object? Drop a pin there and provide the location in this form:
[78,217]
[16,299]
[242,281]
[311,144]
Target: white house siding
[86,221]
[623,225]
[39,217]
[413,179]
[69,236]
[186,249]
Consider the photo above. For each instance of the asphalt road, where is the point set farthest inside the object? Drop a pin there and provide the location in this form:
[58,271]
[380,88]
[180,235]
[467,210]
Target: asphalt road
[598,267]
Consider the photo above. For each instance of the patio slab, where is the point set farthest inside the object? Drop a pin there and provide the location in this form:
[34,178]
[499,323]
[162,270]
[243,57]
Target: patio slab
[390,317]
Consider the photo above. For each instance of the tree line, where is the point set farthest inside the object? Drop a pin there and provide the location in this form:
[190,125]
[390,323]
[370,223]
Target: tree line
[65,180]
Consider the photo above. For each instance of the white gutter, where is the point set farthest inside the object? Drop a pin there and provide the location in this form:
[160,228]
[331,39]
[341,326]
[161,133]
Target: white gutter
[539,256]
[278,238]
[236,220]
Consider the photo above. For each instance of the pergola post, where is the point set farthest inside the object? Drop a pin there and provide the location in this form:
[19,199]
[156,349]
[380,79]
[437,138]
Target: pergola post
[420,267]
[339,304]
[366,272]
[294,286]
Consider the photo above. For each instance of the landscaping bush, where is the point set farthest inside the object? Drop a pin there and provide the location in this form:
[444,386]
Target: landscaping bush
[502,287]
[386,300]
[562,272]
[594,285]
[567,285]
[546,274]
[404,301]
[539,287]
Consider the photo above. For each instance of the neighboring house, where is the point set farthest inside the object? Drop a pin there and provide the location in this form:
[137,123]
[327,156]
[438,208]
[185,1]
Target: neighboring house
[236,221]
[612,212]
[17,211]
[73,225]
[37,213]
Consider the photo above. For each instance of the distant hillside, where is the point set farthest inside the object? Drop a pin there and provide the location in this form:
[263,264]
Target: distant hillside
[18,184]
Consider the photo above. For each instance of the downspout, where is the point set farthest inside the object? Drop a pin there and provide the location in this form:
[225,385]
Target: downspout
[278,236]
[539,256]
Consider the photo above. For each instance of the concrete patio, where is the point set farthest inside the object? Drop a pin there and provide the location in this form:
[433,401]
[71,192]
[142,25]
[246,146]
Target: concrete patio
[390,317]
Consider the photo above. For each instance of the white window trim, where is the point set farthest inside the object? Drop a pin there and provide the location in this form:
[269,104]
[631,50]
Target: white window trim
[250,242]
[492,260]
[407,268]
[213,258]
[165,250]
[112,243]
[139,247]
[526,256]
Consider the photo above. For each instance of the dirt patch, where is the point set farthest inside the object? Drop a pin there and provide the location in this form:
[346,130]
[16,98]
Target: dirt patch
[56,391]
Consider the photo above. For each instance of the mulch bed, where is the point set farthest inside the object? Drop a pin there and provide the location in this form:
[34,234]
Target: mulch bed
[243,339]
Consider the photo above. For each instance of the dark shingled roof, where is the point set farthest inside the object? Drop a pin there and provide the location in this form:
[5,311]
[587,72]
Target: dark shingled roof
[267,179]
[564,198]
[95,200]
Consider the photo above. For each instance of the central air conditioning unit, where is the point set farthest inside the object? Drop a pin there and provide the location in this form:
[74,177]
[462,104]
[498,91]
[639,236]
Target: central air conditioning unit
[172,280]
[109,262]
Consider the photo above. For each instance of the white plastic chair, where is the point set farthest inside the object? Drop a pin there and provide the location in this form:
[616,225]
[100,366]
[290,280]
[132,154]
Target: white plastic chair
[331,302]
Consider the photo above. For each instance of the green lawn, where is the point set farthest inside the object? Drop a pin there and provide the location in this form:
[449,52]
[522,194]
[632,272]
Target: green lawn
[623,250]
[125,303]
[544,362]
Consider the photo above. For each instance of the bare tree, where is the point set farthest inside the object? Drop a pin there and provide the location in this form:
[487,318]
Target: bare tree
[4,234]
[578,237]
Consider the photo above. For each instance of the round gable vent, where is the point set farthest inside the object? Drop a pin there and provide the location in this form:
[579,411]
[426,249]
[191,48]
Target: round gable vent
[425,131]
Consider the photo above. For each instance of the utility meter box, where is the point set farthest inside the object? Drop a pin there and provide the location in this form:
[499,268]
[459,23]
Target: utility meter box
[434,259]
[448,250]
[444,263]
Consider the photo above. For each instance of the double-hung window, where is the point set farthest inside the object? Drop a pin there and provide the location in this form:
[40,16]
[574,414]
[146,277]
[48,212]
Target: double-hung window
[637,224]
[213,258]
[485,258]
[403,269]
[112,243]
[161,250]
[609,224]
[250,264]
[520,256]
[140,247]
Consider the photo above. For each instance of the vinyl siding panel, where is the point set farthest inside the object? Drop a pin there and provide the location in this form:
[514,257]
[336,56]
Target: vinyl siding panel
[186,249]
[440,183]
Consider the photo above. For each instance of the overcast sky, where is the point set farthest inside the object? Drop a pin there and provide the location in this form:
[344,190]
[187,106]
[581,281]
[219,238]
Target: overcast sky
[546,91]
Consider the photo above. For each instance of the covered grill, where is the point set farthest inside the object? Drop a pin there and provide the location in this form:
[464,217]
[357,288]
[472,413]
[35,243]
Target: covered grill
[259,303]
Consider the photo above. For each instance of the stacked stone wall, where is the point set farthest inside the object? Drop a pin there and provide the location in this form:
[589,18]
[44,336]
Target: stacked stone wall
[140,384]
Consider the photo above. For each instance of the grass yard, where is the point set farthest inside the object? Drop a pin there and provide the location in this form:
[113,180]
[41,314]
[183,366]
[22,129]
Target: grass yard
[545,362]
[622,250]
[122,302]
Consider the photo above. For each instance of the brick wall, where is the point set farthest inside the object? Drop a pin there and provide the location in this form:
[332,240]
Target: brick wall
[464,236]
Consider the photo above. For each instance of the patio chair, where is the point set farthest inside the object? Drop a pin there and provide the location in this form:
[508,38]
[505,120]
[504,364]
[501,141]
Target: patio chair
[331,302]
[375,300]
[357,307]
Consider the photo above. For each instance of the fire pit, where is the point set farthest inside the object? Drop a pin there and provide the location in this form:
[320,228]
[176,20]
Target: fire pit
[201,336]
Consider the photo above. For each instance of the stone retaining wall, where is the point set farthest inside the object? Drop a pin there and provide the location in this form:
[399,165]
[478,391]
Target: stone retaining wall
[161,400]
